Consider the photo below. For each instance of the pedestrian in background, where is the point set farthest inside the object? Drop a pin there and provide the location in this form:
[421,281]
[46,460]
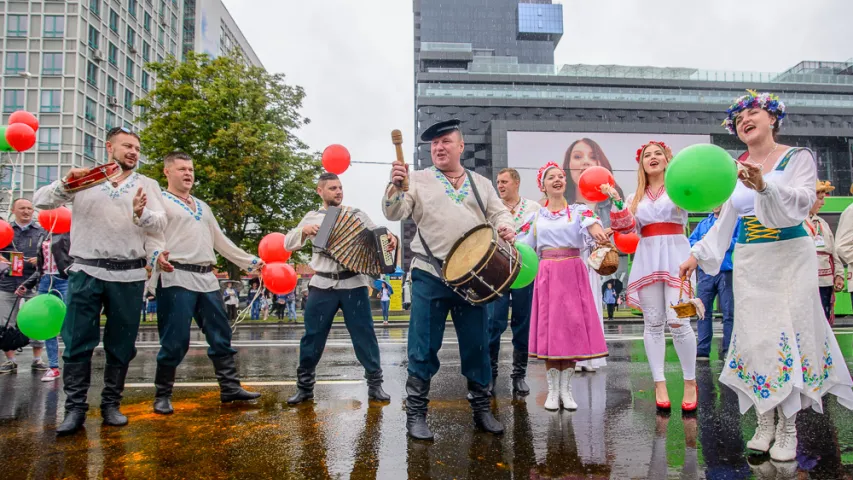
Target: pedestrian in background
[610,300]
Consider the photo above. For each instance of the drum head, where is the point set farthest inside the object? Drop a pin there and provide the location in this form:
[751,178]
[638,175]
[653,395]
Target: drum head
[468,252]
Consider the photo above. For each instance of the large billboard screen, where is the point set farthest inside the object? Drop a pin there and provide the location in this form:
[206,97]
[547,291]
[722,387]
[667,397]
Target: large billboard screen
[528,151]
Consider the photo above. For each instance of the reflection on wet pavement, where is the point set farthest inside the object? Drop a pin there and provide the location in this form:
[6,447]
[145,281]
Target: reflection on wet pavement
[615,433]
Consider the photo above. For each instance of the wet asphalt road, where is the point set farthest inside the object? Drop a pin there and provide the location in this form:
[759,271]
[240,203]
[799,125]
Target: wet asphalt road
[615,433]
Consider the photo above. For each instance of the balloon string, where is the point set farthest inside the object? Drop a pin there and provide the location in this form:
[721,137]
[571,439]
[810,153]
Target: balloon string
[242,314]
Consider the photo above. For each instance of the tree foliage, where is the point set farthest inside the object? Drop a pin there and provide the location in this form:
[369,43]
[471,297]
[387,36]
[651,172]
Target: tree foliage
[237,122]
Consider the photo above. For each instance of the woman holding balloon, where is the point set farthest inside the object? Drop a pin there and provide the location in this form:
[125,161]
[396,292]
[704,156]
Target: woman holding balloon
[654,283]
[564,322]
[783,355]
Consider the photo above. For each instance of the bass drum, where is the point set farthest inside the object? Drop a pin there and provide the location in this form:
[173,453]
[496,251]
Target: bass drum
[481,266]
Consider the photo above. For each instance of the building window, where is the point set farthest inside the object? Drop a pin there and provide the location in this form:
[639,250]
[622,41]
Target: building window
[112,54]
[159,58]
[91,110]
[161,35]
[111,86]
[174,23]
[113,20]
[129,67]
[145,80]
[146,51]
[54,26]
[131,37]
[7,174]
[172,47]
[48,140]
[13,100]
[51,101]
[131,7]
[146,22]
[16,26]
[92,74]
[162,8]
[46,174]
[16,62]
[51,63]
[95,7]
[111,120]
[89,146]
[94,37]
[128,100]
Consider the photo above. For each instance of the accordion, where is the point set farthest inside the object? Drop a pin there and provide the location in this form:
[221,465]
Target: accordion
[345,238]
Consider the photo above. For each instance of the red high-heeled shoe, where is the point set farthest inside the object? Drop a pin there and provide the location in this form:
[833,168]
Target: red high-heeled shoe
[691,407]
[663,406]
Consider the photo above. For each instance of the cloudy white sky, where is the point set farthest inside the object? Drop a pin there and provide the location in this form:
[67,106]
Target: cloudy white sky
[355,59]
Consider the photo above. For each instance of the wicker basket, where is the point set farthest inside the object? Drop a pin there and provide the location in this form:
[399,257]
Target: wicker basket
[684,309]
[611,260]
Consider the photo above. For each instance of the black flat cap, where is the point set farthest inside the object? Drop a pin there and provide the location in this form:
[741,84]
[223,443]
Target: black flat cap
[439,129]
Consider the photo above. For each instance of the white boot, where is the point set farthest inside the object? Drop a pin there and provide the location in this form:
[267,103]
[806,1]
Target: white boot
[764,434]
[566,389]
[785,448]
[553,400]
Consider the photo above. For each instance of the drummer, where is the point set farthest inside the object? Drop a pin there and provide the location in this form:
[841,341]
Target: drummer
[445,201]
[110,224]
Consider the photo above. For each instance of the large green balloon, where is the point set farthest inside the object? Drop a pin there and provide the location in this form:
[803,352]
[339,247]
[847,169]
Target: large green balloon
[529,265]
[4,145]
[701,178]
[41,317]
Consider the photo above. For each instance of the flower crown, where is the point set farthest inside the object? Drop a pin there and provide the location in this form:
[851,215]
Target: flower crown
[667,151]
[541,174]
[764,101]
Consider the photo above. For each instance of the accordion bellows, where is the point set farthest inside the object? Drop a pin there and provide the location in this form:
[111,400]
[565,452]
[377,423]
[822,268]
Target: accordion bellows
[344,237]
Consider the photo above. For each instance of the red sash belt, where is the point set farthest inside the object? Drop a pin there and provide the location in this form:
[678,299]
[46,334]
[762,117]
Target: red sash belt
[657,229]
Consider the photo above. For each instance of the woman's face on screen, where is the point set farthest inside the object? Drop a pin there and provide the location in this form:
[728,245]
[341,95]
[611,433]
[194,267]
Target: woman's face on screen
[580,158]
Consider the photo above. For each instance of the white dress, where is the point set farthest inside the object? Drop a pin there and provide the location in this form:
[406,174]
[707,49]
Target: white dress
[783,352]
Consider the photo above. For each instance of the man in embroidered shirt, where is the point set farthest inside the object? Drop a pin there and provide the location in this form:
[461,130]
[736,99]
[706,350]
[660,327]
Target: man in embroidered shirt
[332,288]
[521,299]
[187,288]
[110,225]
[445,204]
[715,286]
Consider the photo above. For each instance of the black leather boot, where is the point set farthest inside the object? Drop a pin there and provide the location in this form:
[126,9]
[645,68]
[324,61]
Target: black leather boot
[229,382]
[305,379]
[164,379]
[494,352]
[519,371]
[478,397]
[111,396]
[417,399]
[374,387]
[76,378]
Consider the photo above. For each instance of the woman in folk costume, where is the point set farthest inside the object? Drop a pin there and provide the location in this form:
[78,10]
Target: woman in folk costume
[830,270]
[783,355]
[564,322]
[654,284]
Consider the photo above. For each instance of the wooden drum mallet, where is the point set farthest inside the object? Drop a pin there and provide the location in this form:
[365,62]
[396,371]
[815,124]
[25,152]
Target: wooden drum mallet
[397,139]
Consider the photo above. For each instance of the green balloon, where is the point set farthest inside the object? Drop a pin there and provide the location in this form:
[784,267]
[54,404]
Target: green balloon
[4,145]
[41,317]
[529,265]
[701,178]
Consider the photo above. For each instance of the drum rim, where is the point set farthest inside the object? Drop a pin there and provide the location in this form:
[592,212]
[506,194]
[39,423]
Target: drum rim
[479,265]
[512,276]
[95,183]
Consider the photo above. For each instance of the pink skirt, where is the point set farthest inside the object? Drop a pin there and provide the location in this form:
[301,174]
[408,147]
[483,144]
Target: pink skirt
[564,323]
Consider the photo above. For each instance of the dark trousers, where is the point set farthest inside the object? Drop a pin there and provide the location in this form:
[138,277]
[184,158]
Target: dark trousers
[611,307]
[717,286]
[177,307]
[826,300]
[322,306]
[432,300]
[522,301]
[232,312]
[81,332]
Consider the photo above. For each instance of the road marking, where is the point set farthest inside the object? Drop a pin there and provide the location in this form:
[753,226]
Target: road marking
[250,384]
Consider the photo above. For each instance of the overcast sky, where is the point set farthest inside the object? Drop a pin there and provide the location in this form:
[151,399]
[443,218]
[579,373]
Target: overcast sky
[355,59]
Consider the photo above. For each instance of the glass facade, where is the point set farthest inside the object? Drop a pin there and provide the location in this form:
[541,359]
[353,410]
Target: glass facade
[540,21]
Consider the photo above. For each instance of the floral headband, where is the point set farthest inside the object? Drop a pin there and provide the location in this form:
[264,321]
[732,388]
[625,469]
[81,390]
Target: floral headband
[764,101]
[666,150]
[542,171]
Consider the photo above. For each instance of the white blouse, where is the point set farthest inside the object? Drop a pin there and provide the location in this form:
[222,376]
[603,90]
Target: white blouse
[785,202]
[567,228]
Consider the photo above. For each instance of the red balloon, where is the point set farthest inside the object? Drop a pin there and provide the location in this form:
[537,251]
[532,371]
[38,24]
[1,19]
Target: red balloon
[590,183]
[336,159]
[626,242]
[271,248]
[57,220]
[6,234]
[279,277]
[25,117]
[20,136]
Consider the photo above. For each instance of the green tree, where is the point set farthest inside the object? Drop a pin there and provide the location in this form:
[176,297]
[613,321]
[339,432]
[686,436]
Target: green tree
[237,122]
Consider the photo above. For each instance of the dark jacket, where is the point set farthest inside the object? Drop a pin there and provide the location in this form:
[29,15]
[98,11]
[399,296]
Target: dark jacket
[59,247]
[27,242]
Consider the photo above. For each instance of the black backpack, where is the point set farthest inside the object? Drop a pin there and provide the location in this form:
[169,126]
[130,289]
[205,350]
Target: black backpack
[11,338]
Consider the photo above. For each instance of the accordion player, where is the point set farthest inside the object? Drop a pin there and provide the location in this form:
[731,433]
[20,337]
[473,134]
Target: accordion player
[348,240]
